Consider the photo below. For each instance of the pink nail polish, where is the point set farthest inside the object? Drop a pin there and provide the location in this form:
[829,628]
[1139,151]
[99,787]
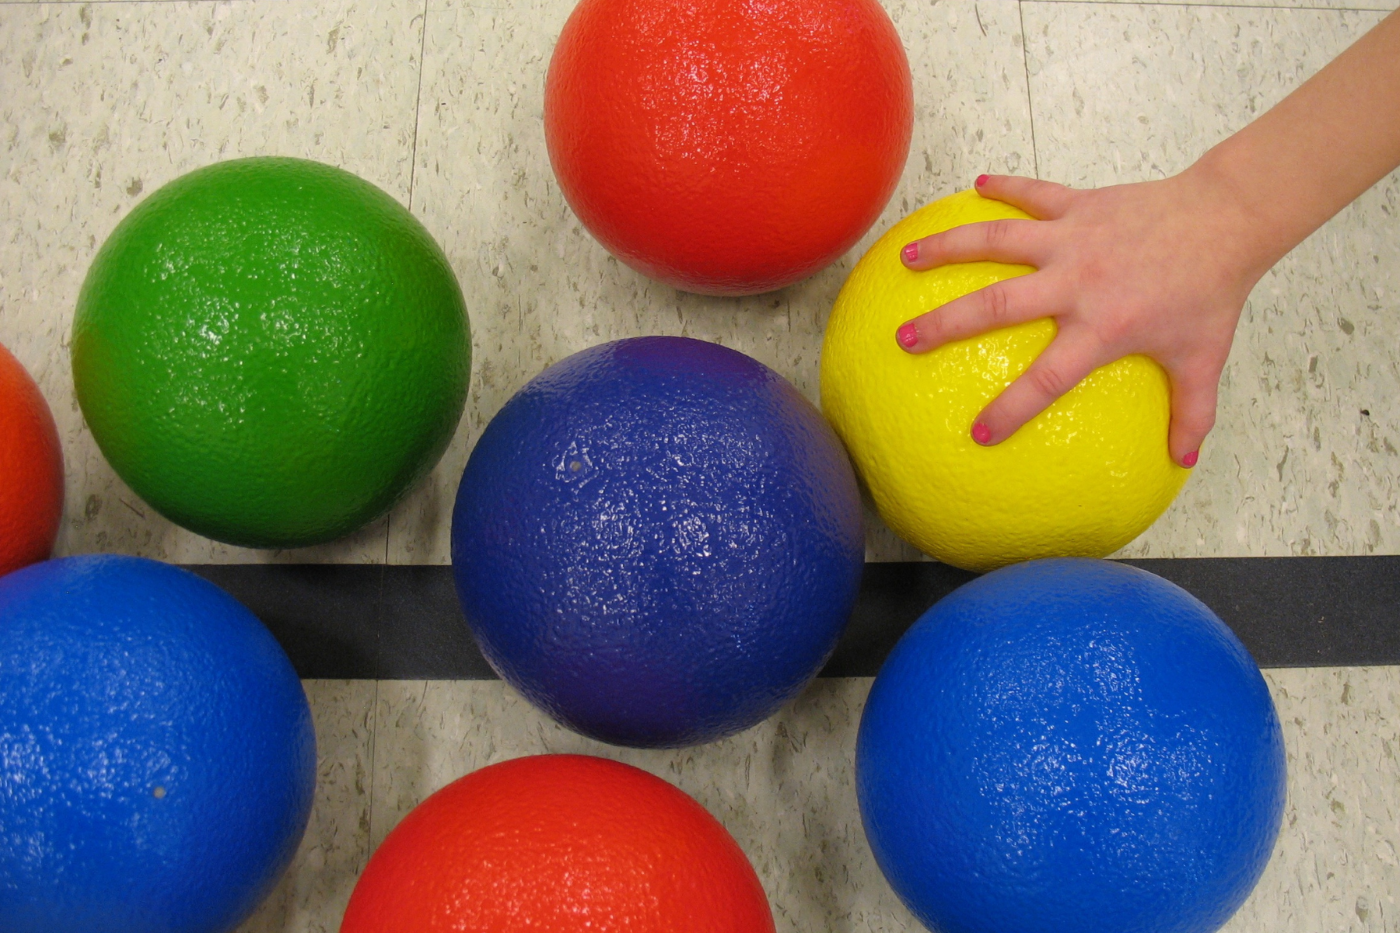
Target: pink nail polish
[907,335]
[981,180]
[1190,459]
[910,253]
[981,433]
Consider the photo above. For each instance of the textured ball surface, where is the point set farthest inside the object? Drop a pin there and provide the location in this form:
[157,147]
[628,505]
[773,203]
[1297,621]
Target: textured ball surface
[658,541]
[159,759]
[271,352]
[565,843]
[1070,745]
[31,470]
[1082,479]
[723,146]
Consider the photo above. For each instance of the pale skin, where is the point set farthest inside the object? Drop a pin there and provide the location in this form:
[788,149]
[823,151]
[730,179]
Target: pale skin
[1163,268]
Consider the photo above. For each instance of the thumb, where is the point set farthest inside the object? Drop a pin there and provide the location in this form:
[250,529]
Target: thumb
[1194,395]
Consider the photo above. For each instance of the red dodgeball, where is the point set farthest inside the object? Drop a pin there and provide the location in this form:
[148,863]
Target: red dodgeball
[564,843]
[728,147]
[31,470]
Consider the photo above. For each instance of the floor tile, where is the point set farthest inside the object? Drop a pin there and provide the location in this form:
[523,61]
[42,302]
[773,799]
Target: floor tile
[103,104]
[311,897]
[540,288]
[1335,866]
[1304,453]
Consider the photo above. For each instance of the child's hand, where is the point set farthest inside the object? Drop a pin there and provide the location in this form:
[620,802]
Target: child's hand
[1160,268]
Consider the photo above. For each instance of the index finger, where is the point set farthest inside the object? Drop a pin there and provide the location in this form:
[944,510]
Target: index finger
[1043,200]
[1013,241]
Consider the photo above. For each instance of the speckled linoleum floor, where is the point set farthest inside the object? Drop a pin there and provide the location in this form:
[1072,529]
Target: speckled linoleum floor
[440,104]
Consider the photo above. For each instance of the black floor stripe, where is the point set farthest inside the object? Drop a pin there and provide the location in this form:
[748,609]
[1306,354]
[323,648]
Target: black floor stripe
[367,621]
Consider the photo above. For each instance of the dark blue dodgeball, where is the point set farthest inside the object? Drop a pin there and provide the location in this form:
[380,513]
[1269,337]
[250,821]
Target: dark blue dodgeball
[157,760]
[658,541]
[1070,745]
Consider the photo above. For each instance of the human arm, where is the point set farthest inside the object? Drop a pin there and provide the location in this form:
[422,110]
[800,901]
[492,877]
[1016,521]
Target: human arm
[1163,268]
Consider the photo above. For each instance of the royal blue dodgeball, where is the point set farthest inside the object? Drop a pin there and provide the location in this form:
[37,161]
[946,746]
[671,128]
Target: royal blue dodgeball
[1070,746]
[157,759]
[658,541]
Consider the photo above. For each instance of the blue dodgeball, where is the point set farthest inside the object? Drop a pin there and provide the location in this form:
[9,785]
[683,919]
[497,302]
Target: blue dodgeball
[157,759]
[658,541]
[1070,745]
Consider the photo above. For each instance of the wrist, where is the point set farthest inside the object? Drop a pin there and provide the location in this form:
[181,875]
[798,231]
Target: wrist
[1251,239]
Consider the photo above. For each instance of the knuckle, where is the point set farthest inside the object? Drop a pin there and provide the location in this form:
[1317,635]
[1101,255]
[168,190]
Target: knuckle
[1048,381]
[1113,329]
[1094,276]
[994,234]
[995,308]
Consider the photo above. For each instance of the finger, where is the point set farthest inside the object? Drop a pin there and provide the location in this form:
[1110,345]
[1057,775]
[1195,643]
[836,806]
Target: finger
[1058,369]
[1011,301]
[1194,396]
[1019,241]
[1043,200]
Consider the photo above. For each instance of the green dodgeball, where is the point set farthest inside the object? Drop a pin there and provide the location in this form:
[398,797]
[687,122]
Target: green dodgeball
[271,352]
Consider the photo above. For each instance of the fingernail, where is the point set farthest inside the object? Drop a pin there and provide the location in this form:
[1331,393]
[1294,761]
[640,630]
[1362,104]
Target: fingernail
[1190,459]
[981,180]
[981,433]
[907,335]
[910,253]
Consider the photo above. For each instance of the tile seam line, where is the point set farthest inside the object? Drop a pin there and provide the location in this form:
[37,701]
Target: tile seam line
[373,747]
[413,154]
[1110,4]
[374,712]
[1026,72]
